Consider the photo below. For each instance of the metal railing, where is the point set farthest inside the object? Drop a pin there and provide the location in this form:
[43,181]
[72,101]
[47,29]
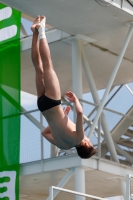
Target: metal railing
[56,193]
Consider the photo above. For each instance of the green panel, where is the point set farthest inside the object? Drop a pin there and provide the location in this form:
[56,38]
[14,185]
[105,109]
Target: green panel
[10,106]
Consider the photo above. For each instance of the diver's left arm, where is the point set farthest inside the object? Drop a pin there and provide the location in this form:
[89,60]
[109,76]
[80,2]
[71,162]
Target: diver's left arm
[48,135]
[79,122]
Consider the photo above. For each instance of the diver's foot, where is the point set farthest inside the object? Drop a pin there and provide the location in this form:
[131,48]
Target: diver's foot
[35,23]
[42,22]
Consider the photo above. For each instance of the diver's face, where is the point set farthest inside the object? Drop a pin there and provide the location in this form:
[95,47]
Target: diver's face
[86,142]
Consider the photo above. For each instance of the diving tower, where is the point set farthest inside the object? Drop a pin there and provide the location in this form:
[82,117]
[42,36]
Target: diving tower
[90,35]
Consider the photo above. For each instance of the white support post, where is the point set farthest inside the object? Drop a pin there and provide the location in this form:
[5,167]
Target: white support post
[62,183]
[80,181]
[99,137]
[41,138]
[76,69]
[77,89]
[128,187]
[50,193]
[113,75]
[54,151]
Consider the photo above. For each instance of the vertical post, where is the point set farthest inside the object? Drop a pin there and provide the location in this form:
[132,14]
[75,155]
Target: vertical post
[50,193]
[99,137]
[80,181]
[76,69]
[54,151]
[99,142]
[128,192]
[77,89]
[41,138]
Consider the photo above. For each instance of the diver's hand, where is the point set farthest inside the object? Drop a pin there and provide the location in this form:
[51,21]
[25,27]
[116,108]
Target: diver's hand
[71,96]
[67,110]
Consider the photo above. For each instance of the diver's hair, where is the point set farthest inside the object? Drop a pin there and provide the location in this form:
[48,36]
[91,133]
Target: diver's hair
[86,152]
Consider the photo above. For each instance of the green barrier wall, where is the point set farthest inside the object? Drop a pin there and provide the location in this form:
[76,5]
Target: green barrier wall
[10,20]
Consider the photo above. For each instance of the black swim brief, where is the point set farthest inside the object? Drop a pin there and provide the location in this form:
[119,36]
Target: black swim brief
[45,103]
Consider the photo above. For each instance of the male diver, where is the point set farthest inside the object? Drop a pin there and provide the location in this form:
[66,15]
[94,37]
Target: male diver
[61,131]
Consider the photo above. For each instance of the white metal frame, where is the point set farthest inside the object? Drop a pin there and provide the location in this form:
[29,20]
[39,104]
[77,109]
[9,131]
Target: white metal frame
[79,53]
[52,196]
[108,137]
[116,67]
[96,99]
[64,180]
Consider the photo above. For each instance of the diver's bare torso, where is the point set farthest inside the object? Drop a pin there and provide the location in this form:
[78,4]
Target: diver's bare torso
[62,128]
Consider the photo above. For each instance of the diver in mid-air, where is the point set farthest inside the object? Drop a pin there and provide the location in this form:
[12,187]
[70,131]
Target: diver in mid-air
[61,131]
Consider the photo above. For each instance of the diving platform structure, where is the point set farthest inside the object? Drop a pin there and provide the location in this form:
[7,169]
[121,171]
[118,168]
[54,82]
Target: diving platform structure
[91,48]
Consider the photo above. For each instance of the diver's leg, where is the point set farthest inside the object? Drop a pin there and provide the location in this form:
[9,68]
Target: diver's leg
[36,59]
[51,82]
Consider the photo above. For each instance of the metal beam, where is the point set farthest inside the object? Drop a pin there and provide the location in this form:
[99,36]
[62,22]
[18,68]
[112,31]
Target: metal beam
[129,133]
[96,99]
[116,67]
[119,129]
[33,120]
[54,149]
[63,181]
[126,143]
[86,119]
[124,153]
[51,35]
[123,125]
[73,160]
[123,5]
[108,138]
